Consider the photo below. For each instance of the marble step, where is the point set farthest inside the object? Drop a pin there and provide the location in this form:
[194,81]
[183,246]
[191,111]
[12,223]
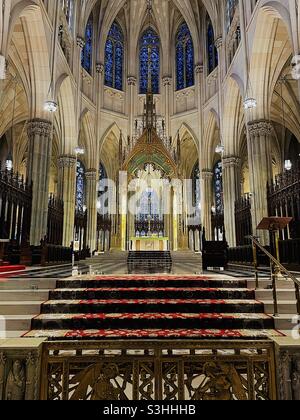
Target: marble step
[16,323]
[265,283]
[287,322]
[24,284]
[152,334]
[151,293]
[152,306]
[284,307]
[152,321]
[282,294]
[24,295]
[148,281]
[20,308]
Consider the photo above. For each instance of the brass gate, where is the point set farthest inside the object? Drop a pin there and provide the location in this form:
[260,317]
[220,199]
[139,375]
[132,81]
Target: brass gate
[158,370]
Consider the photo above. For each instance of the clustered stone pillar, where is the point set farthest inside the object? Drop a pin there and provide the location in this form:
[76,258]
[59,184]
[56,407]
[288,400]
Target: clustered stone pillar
[231,193]
[207,201]
[91,199]
[67,192]
[260,169]
[39,160]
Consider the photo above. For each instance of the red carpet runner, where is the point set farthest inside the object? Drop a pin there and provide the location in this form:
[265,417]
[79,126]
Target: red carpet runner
[133,307]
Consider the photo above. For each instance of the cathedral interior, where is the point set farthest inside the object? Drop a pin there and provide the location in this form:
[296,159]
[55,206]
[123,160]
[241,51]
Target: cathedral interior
[149,200]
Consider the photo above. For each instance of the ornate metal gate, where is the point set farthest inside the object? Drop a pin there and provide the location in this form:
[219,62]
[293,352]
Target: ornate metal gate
[161,370]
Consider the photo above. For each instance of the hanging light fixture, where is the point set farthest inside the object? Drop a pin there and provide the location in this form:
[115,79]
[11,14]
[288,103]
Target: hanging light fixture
[79,151]
[288,165]
[51,106]
[250,103]
[9,159]
[220,149]
[9,163]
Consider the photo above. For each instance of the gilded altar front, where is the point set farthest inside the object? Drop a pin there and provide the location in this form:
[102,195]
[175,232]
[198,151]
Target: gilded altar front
[149,244]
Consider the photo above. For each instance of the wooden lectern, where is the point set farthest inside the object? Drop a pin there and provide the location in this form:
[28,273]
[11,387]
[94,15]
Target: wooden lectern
[274,225]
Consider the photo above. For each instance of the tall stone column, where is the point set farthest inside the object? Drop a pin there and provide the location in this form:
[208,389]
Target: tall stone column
[167,83]
[207,201]
[67,192]
[39,160]
[232,192]
[199,72]
[91,200]
[131,95]
[260,171]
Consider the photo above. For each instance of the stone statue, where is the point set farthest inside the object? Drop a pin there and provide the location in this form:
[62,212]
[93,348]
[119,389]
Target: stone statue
[15,385]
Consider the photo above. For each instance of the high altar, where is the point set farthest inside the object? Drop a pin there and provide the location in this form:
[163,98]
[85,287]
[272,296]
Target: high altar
[151,243]
[153,213]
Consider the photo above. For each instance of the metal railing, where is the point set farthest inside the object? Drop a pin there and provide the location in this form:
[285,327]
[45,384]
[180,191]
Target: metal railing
[276,269]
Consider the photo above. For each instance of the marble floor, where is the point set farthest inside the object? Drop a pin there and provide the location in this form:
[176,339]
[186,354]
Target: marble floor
[116,263]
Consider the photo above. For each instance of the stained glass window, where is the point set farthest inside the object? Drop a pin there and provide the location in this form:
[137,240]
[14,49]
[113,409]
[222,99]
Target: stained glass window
[230,11]
[114,57]
[80,186]
[218,188]
[86,57]
[184,58]
[149,56]
[212,53]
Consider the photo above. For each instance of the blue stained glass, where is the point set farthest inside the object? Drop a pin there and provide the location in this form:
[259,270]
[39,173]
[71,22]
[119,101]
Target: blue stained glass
[114,57]
[212,53]
[80,186]
[149,44]
[185,58]
[87,52]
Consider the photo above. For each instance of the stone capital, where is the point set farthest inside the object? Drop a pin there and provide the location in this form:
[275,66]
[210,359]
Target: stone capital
[231,161]
[219,42]
[38,127]
[100,68]
[80,42]
[260,128]
[131,80]
[167,81]
[67,161]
